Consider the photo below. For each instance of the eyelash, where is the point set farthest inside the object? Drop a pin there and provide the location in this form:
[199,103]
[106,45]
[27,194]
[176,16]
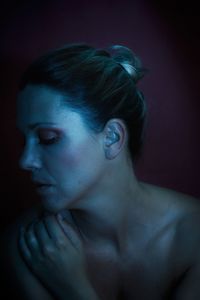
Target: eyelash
[47,142]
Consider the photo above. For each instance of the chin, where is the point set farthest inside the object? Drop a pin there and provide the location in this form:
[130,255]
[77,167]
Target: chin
[54,204]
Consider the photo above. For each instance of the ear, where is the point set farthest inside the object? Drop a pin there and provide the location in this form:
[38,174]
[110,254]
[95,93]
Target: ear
[115,137]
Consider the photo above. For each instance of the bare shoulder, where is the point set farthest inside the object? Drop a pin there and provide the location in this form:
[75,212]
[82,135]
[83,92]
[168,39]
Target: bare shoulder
[182,213]
[22,281]
[177,204]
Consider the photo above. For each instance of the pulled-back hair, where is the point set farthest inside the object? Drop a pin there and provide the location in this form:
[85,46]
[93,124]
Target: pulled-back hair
[101,83]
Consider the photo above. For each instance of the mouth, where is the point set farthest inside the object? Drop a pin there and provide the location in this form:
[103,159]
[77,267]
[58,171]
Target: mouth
[43,188]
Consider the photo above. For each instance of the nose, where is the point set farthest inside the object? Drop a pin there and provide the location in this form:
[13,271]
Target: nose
[30,159]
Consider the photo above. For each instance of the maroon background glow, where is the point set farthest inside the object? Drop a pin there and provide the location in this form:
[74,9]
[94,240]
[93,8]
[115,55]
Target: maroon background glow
[165,36]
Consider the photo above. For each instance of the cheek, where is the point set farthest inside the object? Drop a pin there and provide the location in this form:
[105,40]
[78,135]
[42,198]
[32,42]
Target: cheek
[85,168]
[75,165]
[73,158]
[66,160]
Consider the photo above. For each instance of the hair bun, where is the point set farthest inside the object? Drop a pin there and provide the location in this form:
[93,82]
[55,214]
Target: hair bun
[128,60]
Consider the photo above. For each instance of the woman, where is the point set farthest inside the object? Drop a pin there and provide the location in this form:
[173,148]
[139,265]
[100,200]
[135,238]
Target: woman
[100,233]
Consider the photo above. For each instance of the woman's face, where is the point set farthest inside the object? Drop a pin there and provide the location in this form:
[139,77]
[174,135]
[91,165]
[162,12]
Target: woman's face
[65,158]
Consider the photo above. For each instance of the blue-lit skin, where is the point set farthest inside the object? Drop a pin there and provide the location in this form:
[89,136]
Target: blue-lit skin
[120,226]
[61,150]
[90,174]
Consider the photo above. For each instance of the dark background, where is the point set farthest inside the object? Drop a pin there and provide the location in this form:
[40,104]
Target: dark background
[164,34]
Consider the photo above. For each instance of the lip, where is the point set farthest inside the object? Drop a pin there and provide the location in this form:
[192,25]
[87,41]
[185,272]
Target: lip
[42,188]
[40,182]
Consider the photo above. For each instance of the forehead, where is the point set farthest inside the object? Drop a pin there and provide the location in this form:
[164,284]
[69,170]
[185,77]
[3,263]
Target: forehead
[40,104]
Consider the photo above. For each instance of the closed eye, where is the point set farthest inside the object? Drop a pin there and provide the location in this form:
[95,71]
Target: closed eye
[47,137]
[49,141]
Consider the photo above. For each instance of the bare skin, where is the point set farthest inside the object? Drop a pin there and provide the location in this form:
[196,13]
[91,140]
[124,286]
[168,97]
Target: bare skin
[108,235]
[156,259]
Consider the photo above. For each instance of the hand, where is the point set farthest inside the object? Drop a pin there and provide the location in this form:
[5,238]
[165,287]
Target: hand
[53,251]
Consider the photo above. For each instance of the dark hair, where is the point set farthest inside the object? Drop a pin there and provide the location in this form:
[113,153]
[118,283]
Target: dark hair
[102,84]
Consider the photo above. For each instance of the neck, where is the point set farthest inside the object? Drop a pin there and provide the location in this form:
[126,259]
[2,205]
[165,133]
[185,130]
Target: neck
[105,216]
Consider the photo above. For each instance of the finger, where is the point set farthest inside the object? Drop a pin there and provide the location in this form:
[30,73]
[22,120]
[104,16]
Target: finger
[55,231]
[42,234]
[70,232]
[23,248]
[47,247]
[53,228]
[31,240]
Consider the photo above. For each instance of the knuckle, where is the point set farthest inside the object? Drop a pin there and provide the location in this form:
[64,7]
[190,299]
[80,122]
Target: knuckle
[48,250]
[60,244]
[32,240]
[30,237]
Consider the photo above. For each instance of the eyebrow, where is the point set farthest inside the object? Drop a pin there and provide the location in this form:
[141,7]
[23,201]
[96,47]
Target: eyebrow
[34,125]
